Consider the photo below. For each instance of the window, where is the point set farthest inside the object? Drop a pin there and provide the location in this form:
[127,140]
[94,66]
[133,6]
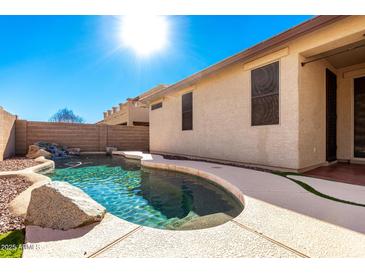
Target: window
[187,111]
[265,95]
[156,106]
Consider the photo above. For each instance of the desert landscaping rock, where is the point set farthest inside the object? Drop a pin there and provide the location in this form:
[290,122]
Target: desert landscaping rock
[16,163]
[59,205]
[10,187]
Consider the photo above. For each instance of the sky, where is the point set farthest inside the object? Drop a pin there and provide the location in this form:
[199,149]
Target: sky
[79,62]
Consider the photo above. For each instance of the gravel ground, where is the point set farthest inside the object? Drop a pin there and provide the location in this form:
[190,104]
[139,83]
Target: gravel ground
[10,187]
[16,163]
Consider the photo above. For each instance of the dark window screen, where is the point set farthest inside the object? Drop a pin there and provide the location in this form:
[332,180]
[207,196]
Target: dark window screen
[156,106]
[265,95]
[359,117]
[187,111]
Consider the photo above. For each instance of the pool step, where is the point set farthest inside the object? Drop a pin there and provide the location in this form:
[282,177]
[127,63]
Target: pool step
[176,223]
[206,221]
[194,221]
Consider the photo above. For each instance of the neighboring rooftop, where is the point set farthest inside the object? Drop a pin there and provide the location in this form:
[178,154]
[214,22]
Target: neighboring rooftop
[150,92]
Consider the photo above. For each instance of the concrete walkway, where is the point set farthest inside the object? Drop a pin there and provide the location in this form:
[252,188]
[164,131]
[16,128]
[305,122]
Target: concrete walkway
[347,192]
[280,219]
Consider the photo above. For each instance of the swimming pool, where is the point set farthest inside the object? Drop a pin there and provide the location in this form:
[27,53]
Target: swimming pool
[149,197]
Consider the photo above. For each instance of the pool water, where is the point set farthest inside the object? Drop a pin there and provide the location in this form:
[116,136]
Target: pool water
[149,197]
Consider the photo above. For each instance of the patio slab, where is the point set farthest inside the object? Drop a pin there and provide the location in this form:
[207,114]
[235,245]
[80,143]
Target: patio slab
[307,235]
[348,192]
[227,240]
[79,242]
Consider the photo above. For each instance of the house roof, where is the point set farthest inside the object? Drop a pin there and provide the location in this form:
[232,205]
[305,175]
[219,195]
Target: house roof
[275,41]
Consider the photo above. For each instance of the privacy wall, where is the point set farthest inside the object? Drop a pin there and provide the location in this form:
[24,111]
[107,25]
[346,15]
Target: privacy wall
[7,134]
[87,137]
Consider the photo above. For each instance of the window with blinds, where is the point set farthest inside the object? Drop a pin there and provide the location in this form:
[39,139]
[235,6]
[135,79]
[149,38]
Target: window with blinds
[265,95]
[187,111]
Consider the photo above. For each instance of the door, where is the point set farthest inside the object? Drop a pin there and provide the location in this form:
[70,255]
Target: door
[331,116]
[359,117]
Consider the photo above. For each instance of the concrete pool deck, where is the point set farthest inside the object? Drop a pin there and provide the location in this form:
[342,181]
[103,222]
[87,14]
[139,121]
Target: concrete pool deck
[280,219]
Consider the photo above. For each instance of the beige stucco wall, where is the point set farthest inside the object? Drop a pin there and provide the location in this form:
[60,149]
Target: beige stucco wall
[312,111]
[7,134]
[221,108]
[222,120]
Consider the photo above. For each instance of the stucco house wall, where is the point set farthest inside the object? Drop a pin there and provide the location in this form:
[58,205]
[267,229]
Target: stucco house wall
[222,119]
[312,111]
[222,108]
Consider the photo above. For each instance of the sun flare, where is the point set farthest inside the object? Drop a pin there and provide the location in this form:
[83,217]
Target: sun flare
[144,34]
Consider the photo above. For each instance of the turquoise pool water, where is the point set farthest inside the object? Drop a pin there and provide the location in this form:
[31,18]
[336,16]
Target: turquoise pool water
[149,197]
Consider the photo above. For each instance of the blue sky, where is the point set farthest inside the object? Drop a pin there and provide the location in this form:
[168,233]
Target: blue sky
[51,62]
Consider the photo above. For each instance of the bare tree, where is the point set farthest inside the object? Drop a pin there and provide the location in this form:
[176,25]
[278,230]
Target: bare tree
[66,116]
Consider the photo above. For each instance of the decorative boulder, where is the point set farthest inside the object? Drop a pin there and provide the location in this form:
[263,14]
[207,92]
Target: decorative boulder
[35,151]
[59,205]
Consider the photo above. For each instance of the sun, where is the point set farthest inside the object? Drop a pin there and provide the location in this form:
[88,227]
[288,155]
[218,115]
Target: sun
[144,34]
